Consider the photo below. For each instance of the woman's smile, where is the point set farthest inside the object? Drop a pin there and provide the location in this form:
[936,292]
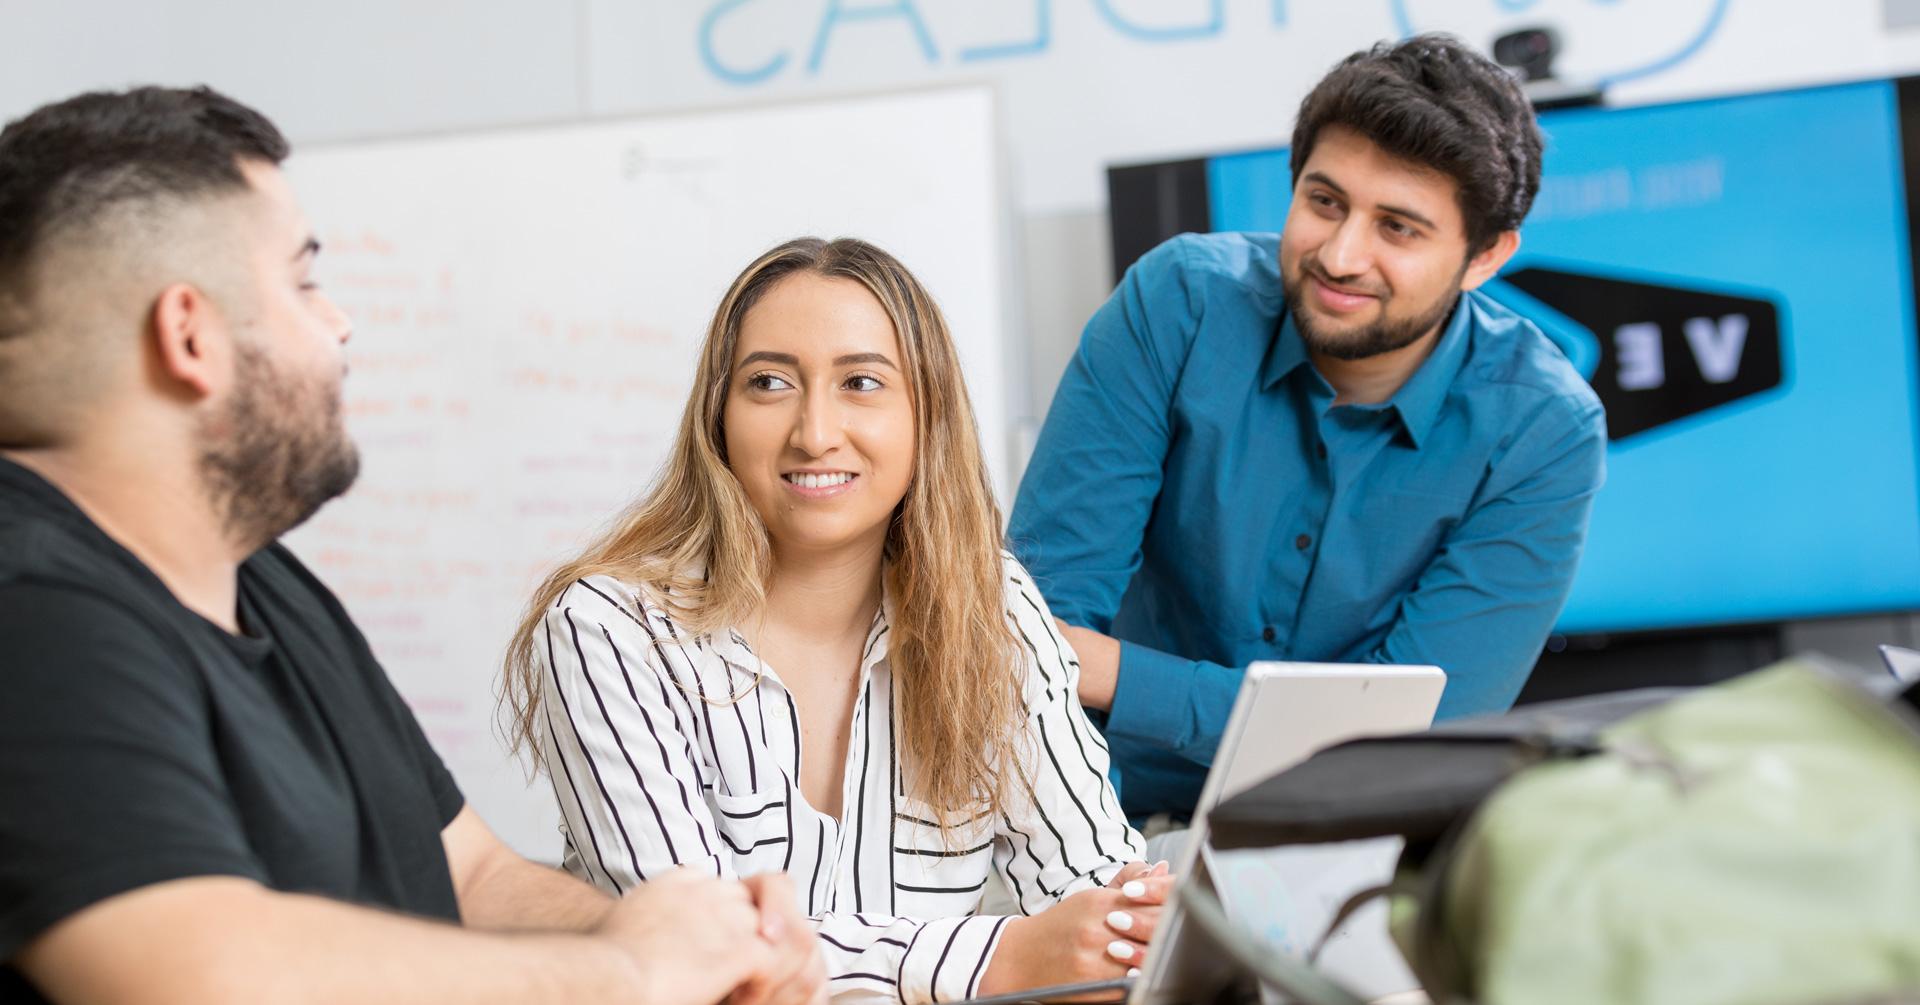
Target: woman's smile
[820,484]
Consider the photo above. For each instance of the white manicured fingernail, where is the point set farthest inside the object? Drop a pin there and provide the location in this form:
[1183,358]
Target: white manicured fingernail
[1121,920]
[1134,888]
[1133,971]
[1122,951]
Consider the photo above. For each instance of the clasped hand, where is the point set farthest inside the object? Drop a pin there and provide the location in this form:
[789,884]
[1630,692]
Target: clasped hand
[1091,936]
[697,939]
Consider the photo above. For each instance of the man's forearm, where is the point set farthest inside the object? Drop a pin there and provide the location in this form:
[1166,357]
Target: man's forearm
[501,891]
[228,940]
[1099,657]
[442,963]
[521,896]
[1171,702]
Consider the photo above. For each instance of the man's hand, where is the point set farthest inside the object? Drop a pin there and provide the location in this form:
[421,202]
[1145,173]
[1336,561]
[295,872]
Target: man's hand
[1099,664]
[795,972]
[693,938]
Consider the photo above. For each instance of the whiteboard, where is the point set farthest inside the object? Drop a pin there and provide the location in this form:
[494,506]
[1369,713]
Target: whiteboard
[528,305]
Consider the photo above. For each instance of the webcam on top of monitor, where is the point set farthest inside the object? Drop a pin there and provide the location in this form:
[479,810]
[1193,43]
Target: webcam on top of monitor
[1529,54]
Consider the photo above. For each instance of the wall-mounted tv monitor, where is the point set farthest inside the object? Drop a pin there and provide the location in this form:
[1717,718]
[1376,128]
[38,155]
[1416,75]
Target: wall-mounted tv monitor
[1735,278]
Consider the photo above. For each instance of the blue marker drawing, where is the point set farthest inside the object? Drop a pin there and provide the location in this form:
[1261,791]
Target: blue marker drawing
[1042,37]
[1215,22]
[731,74]
[1403,22]
[838,12]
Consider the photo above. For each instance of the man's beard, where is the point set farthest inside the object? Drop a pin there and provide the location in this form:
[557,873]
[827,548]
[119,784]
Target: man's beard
[276,453]
[1383,335]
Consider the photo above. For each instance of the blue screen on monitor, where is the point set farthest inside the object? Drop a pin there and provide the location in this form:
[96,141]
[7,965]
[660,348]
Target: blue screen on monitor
[1734,278]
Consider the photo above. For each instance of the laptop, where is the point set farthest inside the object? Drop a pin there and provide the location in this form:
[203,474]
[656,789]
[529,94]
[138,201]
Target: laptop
[1286,897]
[1283,714]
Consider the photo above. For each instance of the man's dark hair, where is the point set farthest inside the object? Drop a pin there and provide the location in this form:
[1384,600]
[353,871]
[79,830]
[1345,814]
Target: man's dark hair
[1433,101]
[65,164]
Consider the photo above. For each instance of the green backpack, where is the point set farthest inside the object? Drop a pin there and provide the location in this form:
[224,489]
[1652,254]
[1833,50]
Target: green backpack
[1753,842]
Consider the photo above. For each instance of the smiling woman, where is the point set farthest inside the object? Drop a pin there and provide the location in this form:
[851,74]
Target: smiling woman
[820,427]
[805,650]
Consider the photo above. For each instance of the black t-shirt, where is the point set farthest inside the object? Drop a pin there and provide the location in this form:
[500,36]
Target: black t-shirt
[141,743]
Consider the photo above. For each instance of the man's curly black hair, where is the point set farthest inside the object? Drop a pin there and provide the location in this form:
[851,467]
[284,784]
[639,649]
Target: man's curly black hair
[1433,101]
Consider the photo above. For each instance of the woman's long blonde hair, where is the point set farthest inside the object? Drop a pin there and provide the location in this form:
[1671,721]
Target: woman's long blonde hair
[953,656]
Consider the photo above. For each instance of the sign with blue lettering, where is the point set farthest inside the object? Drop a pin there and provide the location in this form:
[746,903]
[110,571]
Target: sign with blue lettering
[1659,35]
[1085,83]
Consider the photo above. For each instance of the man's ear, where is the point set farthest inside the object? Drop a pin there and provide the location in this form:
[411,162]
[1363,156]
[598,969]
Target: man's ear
[1489,262]
[193,348]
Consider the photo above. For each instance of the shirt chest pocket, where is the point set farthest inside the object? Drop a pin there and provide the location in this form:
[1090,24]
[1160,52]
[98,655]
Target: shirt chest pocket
[755,829]
[953,864]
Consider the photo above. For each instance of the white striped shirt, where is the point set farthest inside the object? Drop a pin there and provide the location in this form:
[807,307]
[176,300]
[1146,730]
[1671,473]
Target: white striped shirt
[649,776]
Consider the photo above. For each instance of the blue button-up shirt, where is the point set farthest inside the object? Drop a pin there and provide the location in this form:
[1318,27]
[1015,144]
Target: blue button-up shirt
[1196,493]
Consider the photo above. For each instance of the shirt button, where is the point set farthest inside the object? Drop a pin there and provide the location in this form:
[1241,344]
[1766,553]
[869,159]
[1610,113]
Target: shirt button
[1303,542]
[1268,633]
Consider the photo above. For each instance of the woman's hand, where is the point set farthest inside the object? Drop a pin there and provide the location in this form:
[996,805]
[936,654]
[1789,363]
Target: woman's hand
[1145,889]
[1093,935]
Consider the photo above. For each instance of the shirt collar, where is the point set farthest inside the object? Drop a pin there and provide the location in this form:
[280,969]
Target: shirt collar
[1287,354]
[1418,401]
[25,495]
[874,649]
[22,487]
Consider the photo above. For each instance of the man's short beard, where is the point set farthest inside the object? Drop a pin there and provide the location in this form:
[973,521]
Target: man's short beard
[276,453]
[1382,336]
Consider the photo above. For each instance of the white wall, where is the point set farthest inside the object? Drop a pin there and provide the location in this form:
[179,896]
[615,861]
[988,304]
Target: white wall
[1083,83]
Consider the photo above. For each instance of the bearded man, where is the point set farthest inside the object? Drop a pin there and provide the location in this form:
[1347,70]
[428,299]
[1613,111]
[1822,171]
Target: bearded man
[209,791]
[1320,445]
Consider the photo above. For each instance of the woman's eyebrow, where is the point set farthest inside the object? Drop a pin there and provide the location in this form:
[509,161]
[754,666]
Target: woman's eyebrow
[789,359]
[863,357]
[786,358]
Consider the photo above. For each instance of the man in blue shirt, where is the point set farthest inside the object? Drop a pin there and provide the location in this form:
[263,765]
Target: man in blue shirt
[1320,445]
